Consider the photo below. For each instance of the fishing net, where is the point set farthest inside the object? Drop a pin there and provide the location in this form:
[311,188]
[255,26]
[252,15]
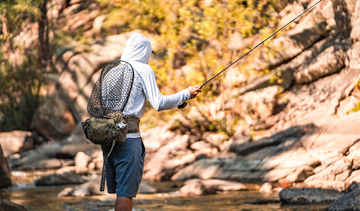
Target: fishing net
[112,90]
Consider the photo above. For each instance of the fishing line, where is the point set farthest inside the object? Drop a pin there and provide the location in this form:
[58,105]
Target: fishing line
[262,42]
[228,95]
[240,65]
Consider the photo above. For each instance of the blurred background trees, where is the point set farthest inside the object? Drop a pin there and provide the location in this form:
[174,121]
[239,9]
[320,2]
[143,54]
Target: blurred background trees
[22,64]
[195,39]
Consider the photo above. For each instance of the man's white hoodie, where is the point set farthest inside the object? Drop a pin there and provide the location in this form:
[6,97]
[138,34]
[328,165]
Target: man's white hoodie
[137,52]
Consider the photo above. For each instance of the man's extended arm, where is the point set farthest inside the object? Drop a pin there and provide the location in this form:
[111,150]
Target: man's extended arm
[163,102]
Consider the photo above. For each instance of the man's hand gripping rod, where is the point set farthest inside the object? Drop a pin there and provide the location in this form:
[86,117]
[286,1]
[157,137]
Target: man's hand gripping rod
[183,105]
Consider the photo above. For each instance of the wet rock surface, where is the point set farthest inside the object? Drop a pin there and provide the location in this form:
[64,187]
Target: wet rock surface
[6,205]
[349,201]
[60,179]
[309,196]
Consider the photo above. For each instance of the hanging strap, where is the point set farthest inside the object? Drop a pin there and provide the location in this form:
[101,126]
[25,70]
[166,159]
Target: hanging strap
[106,159]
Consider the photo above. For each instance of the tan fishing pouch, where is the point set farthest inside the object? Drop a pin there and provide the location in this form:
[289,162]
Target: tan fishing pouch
[114,126]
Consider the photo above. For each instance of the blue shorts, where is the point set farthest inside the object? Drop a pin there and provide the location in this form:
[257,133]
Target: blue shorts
[125,168]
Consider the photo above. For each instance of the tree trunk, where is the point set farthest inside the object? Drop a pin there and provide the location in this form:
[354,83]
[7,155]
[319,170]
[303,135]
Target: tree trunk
[44,52]
[5,179]
[5,32]
[4,27]
[43,37]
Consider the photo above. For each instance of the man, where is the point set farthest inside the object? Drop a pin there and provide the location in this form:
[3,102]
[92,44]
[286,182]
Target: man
[126,162]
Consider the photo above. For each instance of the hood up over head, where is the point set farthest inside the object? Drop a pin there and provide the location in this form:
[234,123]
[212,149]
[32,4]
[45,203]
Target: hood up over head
[138,48]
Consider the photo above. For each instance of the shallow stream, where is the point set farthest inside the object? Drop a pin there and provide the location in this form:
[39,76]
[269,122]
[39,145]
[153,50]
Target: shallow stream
[45,198]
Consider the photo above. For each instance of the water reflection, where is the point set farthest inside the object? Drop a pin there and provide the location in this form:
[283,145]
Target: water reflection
[45,198]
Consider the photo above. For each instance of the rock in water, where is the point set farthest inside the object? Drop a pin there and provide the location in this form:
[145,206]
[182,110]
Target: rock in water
[350,201]
[89,188]
[10,206]
[309,195]
[196,187]
[145,188]
[266,188]
[60,179]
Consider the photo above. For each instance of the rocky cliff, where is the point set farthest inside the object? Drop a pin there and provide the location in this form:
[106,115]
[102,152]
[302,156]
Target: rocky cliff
[299,129]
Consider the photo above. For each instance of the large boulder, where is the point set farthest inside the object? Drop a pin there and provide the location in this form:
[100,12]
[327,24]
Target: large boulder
[16,142]
[66,102]
[53,117]
[336,171]
[269,159]
[77,78]
[258,104]
[161,167]
[331,60]
[5,179]
[286,47]
[276,139]
[317,102]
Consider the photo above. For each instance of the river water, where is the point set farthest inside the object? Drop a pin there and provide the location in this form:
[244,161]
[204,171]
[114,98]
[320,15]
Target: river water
[45,198]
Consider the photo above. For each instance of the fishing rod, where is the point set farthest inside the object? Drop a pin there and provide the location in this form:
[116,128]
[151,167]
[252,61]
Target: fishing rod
[183,105]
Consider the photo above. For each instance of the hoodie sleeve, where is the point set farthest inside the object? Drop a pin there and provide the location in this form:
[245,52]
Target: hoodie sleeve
[157,100]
